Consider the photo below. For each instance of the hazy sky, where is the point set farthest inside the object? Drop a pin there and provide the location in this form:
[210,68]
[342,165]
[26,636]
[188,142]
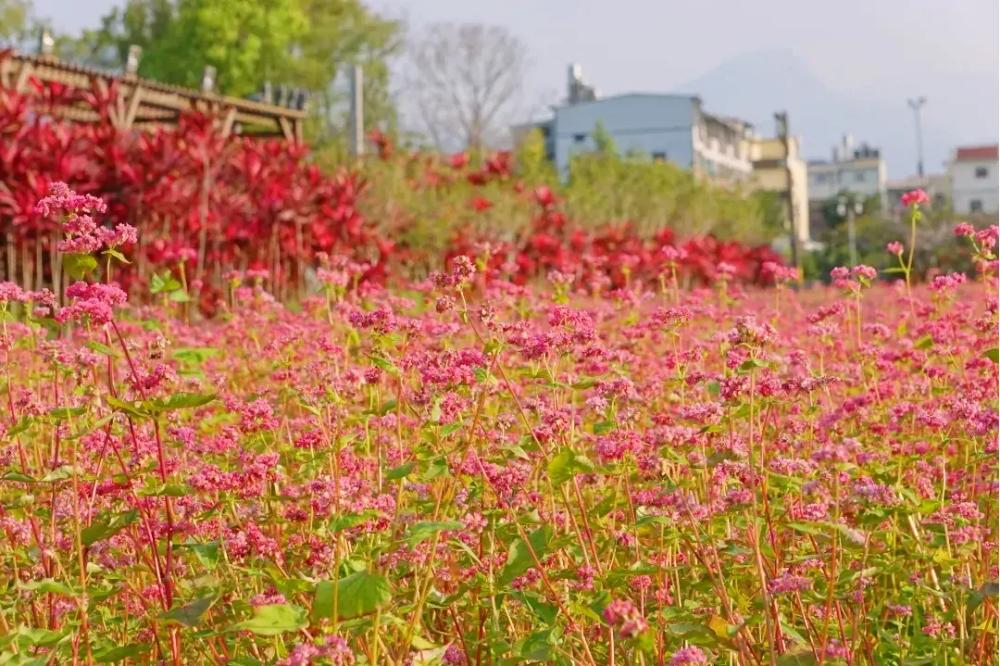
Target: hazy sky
[874,51]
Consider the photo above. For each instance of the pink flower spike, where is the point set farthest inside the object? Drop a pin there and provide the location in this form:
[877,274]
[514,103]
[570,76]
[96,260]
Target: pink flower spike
[914,198]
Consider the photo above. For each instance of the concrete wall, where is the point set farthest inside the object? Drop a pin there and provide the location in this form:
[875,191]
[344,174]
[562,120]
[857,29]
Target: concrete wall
[967,187]
[864,177]
[770,174]
[657,125]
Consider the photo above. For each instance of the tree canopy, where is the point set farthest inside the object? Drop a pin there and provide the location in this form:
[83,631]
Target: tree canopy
[307,44]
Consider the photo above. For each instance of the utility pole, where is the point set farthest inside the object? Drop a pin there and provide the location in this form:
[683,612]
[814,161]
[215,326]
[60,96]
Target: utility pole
[916,104]
[357,139]
[849,208]
[781,122]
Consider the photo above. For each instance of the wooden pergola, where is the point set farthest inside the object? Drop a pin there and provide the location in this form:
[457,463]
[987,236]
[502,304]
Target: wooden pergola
[144,103]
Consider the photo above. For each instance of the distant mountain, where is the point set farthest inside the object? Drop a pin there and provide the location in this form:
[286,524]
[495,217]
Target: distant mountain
[755,85]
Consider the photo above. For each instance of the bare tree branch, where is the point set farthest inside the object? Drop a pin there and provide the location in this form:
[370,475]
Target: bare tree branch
[464,83]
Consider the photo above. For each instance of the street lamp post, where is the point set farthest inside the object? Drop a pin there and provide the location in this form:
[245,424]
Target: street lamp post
[781,126]
[848,208]
[916,104]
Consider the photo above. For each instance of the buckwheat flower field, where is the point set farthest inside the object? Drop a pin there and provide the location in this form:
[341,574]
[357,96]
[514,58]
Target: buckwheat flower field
[469,471]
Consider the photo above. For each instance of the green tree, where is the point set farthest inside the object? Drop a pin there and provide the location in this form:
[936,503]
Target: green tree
[338,35]
[308,44]
[532,163]
[14,15]
[604,186]
[140,22]
[247,41]
[604,142]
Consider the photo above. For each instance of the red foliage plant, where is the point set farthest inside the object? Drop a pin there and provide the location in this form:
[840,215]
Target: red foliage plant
[205,203]
[208,204]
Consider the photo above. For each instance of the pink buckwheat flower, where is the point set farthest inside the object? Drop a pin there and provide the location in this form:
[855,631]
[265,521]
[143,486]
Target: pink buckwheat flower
[688,656]
[914,198]
[965,229]
[94,301]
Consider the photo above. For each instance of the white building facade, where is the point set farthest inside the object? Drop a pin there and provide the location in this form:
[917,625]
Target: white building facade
[859,171]
[974,180]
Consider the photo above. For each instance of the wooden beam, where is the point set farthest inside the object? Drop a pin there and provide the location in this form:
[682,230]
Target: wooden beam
[22,77]
[5,72]
[104,91]
[286,128]
[142,102]
[227,123]
[133,106]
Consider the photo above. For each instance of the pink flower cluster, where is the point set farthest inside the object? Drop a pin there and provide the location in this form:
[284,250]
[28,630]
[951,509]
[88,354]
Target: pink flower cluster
[853,278]
[914,198]
[82,233]
[92,301]
[625,617]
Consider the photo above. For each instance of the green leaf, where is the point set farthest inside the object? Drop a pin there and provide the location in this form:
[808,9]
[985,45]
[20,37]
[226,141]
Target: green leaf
[424,530]
[348,520]
[207,553]
[566,464]
[23,424]
[384,364]
[400,472]
[163,283]
[274,619]
[993,354]
[165,489]
[37,636]
[60,473]
[133,408]
[111,655]
[544,611]
[111,252]
[101,348]
[718,626]
[686,629]
[358,594]
[797,657]
[450,428]
[17,476]
[63,413]
[78,265]
[179,401]
[323,600]
[194,355]
[436,468]
[519,558]
[604,427]
[179,296]
[752,364]
[807,528]
[189,614]
[48,586]
[978,596]
[101,530]
[926,342]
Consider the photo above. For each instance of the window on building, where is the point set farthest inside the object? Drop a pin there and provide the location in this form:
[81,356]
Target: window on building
[982,172]
[579,138]
[975,206]
[659,156]
[859,176]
